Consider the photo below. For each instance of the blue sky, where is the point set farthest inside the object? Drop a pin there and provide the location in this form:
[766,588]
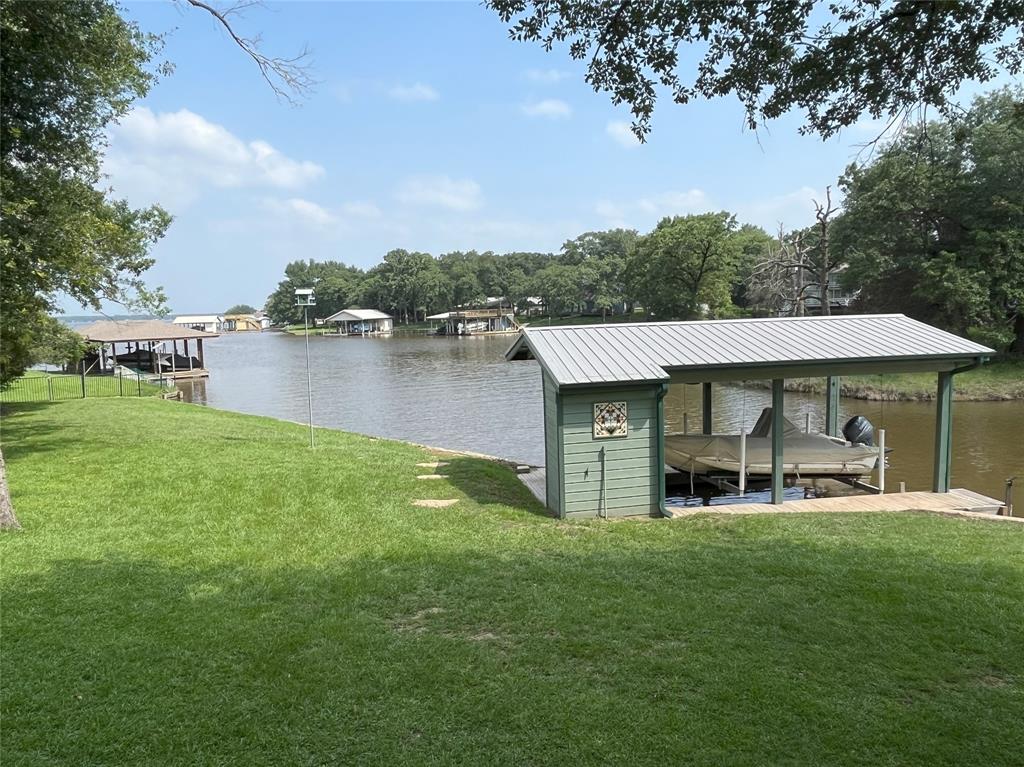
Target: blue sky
[428,129]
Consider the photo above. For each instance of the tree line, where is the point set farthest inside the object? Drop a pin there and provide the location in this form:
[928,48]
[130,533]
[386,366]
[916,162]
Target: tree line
[932,226]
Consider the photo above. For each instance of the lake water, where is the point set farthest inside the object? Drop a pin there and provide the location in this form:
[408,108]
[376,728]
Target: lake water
[459,393]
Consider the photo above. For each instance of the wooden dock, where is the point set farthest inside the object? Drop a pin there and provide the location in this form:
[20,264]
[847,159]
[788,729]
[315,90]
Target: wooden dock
[958,502]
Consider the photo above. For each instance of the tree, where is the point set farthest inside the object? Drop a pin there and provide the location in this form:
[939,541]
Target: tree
[241,309]
[833,63]
[798,268]
[557,286]
[337,286]
[934,227]
[601,258]
[408,282]
[685,267]
[67,70]
[56,344]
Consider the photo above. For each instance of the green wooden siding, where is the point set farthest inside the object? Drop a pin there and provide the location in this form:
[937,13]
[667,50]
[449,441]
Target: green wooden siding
[632,480]
[552,447]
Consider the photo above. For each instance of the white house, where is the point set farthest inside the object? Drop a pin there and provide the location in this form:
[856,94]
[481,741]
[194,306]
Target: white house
[211,323]
[361,322]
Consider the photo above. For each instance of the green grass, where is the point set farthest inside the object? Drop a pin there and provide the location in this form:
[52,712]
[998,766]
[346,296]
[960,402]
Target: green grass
[33,386]
[197,587]
[1000,380]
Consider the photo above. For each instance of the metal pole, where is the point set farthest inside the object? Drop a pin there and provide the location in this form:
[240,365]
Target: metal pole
[778,465]
[706,408]
[743,461]
[309,381]
[83,379]
[881,461]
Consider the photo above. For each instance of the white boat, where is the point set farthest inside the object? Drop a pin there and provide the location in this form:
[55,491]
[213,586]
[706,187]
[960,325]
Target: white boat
[803,455]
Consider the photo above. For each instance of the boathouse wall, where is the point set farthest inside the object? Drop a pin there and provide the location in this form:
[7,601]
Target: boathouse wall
[590,476]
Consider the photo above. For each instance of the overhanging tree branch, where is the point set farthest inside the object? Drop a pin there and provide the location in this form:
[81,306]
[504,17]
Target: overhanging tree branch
[288,78]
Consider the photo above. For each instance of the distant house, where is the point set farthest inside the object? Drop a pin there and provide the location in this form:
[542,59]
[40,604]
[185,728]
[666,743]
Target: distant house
[211,323]
[361,322]
[241,322]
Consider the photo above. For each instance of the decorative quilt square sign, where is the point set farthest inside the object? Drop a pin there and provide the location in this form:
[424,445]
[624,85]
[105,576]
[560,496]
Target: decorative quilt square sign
[610,419]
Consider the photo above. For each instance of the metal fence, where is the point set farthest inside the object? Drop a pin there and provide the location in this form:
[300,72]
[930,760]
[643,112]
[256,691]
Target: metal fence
[53,388]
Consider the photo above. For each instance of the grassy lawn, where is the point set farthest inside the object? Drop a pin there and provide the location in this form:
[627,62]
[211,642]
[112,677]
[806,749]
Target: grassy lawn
[196,587]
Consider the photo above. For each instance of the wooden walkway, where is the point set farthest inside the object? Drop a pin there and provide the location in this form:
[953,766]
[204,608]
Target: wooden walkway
[958,502]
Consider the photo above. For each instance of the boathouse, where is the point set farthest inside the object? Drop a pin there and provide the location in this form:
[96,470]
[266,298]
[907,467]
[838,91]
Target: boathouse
[211,323]
[150,346]
[472,322]
[361,322]
[604,389]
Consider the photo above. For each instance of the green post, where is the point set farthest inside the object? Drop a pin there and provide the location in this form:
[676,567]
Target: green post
[120,385]
[138,377]
[832,406]
[778,430]
[83,379]
[706,408]
[661,447]
[943,433]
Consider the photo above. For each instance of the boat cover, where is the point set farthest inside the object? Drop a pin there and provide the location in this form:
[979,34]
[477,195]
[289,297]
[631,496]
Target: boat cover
[803,454]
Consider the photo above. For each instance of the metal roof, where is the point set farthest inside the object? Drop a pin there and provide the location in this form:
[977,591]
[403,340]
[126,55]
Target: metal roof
[190,319]
[650,352]
[355,315]
[112,331]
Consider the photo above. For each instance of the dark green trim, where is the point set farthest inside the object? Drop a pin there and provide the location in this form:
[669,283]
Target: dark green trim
[661,450]
[560,448]
[943,433]
[832,405]
[778,430]
[820,369]
[706,407]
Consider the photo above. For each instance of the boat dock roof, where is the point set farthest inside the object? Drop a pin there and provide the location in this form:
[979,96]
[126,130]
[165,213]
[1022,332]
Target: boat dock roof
[744,349]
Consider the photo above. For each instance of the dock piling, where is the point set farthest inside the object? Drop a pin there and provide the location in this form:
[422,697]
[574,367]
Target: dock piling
[881,461]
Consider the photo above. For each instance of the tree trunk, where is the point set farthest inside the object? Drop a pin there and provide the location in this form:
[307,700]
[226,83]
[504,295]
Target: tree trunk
[7,519]
[1018,333]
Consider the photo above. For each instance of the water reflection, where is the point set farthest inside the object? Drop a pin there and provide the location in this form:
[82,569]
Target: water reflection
[460,393]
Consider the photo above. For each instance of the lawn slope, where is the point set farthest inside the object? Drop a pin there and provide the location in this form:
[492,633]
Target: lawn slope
[197,587]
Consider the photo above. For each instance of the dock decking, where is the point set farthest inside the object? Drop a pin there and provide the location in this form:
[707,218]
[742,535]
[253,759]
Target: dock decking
[957,502]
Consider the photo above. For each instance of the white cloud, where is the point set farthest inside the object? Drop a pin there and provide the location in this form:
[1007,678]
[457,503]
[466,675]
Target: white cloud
[792,210]
[546,75]
[414,92]
[169,157]
[653,207]
[622,133]
[441,191]
[550,108]
[360,209]
[298,210]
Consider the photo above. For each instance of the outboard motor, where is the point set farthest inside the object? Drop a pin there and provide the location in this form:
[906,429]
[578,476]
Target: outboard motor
[859,431]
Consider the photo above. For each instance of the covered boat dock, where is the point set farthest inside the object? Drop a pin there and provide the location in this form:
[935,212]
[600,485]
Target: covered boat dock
[150,346]
[604,389]
[361,322]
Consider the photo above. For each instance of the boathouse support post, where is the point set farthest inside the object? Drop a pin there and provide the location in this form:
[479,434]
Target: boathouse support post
[832,406]
[943,433]
[199,344]
[778,431]
[706,408]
